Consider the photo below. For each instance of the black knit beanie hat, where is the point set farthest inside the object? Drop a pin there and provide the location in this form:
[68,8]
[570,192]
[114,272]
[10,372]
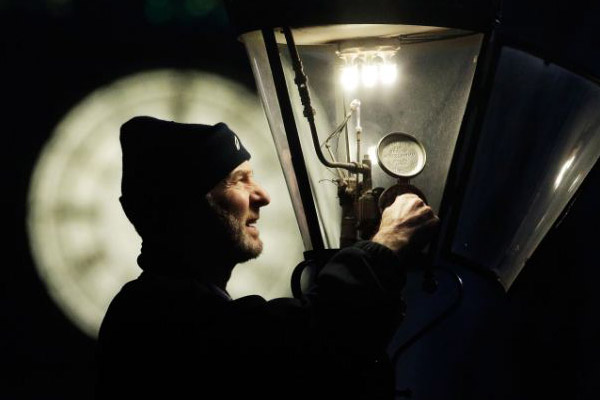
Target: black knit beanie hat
[169,164]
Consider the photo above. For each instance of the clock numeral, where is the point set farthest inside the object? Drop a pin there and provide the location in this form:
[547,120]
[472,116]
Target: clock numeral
[69,211]
[84,264]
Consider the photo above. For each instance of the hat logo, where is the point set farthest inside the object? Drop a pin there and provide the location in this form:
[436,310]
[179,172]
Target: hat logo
[237,142]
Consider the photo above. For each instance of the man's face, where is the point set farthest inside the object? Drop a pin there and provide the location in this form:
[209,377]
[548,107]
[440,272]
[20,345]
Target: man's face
[237,200]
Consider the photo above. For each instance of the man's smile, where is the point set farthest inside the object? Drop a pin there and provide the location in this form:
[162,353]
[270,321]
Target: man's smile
[251,225]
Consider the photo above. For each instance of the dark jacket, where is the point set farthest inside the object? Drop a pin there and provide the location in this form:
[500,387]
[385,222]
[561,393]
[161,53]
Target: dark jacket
[176,337]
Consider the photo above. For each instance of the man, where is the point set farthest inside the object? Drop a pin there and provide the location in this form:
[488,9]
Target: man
[174,332]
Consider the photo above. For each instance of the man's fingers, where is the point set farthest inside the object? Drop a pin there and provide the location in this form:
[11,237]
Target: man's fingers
[410,198]
[422,215]
[405,204]
[433,223]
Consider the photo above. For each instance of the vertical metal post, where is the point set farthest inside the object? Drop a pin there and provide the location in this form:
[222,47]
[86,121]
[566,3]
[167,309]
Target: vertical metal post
[291,131]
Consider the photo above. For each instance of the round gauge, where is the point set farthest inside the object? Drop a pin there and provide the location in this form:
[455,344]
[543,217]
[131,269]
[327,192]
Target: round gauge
[84,247]
[389,195]
[401,155]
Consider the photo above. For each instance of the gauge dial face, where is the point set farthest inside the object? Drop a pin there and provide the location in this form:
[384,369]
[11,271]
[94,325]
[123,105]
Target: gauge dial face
[84,247]
[401,155]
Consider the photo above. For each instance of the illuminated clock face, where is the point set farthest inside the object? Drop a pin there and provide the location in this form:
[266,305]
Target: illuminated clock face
[84,247]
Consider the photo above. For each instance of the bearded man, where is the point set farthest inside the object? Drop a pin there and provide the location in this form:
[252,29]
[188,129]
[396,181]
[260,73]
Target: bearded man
[174,332]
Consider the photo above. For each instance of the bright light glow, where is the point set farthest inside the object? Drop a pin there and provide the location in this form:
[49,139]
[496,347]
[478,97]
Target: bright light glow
[372,152]
[388,73]
[368,68]
[575,183]
[562,172]
[349,77]
[369,75]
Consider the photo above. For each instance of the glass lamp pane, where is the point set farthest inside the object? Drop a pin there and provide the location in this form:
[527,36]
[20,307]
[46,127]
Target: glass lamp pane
[261,69]
[539,140]
[416,85]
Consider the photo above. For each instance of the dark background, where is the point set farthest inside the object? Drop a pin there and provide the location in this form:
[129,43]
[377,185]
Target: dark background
[54,53]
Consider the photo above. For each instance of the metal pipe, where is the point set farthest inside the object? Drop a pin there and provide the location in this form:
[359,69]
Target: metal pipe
[358,131]
[338,170]
[301,174]
[301,81]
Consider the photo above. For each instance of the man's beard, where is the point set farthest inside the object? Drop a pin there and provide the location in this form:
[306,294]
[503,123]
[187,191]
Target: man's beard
[243,247]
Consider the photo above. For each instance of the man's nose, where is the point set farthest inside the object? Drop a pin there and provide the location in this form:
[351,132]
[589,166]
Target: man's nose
[260,196]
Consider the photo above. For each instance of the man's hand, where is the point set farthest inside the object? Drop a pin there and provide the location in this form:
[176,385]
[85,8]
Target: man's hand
[407,224]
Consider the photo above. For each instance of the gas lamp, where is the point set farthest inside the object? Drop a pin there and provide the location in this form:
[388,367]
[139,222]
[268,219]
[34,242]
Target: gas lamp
[369,100]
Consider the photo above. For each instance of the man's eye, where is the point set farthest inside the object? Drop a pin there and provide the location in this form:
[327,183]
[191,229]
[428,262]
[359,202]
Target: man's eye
[242,179]
[247,178]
